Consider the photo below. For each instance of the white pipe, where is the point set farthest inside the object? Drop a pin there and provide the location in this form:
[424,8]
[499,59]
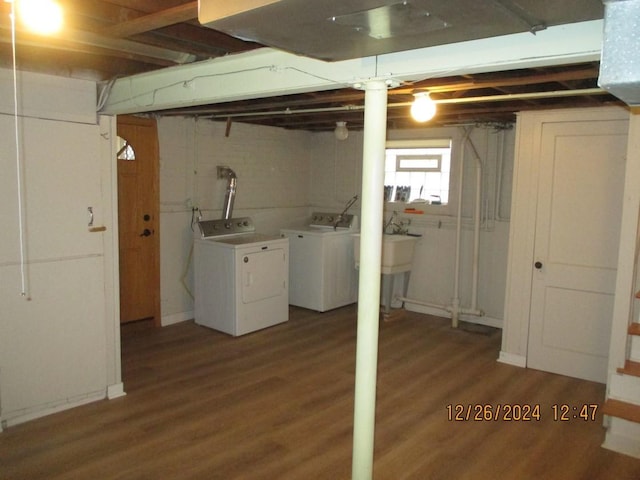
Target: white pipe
[455,308]
[446,308]
[455,302]
[375,133]
[476,228]
[217,113]
[476,240]
[499,173]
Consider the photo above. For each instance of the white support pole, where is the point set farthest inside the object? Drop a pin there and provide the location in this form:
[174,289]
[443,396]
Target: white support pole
[375,130]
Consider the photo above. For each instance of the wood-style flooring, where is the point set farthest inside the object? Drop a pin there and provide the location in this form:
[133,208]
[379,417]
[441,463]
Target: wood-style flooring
[278,404]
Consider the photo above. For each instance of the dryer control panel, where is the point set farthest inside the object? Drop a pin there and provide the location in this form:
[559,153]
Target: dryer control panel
[232,226]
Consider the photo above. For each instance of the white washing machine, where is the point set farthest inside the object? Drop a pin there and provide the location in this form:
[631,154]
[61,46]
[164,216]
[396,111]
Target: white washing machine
[322,273]
[241,277]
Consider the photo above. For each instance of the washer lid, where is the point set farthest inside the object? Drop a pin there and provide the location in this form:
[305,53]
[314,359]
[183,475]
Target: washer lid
[316,231]
[246,238]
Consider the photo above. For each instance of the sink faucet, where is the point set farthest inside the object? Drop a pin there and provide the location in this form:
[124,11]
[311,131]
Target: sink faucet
[389,222]
[401,228]
[344,212]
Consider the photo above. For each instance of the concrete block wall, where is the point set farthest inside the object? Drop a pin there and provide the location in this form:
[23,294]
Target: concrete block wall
[285,175]
[273,170]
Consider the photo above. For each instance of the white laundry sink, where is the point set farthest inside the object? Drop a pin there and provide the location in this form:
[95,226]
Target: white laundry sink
[397,252]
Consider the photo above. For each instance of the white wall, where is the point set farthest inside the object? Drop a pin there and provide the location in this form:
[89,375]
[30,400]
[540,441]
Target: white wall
[274,177]
[58,343]
[284,175]
[336,173]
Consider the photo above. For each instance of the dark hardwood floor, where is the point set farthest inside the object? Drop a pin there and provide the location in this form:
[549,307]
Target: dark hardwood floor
[278,404]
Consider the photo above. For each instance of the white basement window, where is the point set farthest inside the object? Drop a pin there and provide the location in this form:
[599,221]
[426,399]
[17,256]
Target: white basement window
[418,170]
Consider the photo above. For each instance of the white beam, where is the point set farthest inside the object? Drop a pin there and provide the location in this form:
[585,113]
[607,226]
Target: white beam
[559,45]
[267,72]
[259,73]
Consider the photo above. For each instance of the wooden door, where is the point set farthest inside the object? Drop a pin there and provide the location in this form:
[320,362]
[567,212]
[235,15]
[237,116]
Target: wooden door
[582,168]
[138,219]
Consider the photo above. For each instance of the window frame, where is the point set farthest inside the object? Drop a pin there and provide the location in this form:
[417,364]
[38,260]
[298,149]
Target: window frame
[431,138]
[430,156]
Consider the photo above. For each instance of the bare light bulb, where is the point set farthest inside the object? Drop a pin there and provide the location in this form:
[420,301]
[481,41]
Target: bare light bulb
[341,132]
[41,16]
[423,108]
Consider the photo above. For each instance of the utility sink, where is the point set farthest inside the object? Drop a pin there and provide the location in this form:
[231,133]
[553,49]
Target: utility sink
[397,252]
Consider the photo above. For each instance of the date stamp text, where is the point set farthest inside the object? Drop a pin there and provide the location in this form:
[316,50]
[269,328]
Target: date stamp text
[515,412]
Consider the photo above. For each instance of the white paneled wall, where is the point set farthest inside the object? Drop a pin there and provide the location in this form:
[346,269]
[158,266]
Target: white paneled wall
[283,175]
[273,169]
[59,337]
[336,170]
[336,177]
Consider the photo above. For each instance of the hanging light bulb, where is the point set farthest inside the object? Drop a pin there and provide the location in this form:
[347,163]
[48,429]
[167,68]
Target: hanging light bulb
[341,132]
[423,108]
[41,16]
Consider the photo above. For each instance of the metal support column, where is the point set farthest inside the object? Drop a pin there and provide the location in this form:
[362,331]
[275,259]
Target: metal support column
[375,130]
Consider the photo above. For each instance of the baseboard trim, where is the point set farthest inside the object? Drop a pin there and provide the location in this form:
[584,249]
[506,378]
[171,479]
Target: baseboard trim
[115,391]
[167,320]
[32,414]
[622,444]
[512,359]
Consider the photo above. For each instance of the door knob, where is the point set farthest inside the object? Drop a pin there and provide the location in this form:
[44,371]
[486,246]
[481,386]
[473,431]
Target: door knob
[538,265]
[146,233]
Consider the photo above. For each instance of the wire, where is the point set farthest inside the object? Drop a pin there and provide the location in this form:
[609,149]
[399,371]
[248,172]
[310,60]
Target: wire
[273,68]
[104,93]
[21,228]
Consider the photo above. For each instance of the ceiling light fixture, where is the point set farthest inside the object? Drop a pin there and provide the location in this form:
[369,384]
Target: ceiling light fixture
[341,132]
[423,107]
[41,16]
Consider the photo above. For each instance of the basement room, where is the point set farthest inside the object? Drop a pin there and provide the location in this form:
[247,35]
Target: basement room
[340,239]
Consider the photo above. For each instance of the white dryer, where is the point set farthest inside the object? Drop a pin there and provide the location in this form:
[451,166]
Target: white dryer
[241,277]
[322,273]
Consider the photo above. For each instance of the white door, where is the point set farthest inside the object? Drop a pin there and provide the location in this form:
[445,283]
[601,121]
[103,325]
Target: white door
[576,246]
[263,275]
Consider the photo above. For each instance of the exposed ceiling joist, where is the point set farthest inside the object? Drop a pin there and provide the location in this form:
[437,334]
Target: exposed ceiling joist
[154,21]
[106,39]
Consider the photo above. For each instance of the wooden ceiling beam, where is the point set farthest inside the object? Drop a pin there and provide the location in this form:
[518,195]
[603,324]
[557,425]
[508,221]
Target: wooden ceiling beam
[433,85]
[153,21]
[84,42]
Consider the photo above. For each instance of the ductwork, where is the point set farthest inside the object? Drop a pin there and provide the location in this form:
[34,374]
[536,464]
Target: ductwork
[343,29]
[230,195]
[620,64]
